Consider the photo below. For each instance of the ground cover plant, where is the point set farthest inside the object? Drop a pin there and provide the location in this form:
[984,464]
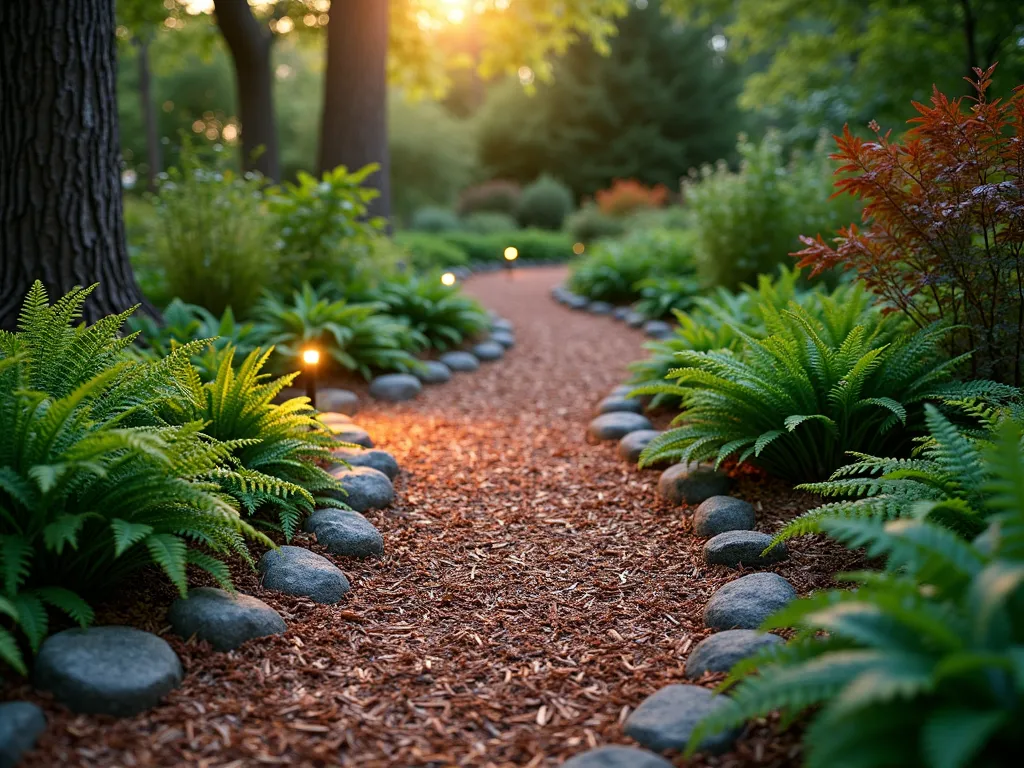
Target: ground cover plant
[93,484]
[943,234]
[920,664]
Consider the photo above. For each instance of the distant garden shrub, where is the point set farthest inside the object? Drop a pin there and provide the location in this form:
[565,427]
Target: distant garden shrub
[433,219]
[590,223]
[495,196]
[489,223]
[533,245]
[627,196]
[748,221]
[428,252]
[544,204]
[944,223]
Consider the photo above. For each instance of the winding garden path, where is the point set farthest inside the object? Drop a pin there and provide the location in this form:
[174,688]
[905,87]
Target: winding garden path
[533,589]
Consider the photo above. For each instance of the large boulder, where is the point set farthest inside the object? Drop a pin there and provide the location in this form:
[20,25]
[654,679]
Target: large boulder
[299,572]
[434,372]
[736,548]
[746,602]
[720,514]
[488,351]
[223,620]
[615,426]
[345,533]
[339,400]
[691,483]
[720,651]
[633,444]
[665,720]
[365,488]
[614,756]
[461,362]
[382,461]
[395,387]
[21,723]
[107,670]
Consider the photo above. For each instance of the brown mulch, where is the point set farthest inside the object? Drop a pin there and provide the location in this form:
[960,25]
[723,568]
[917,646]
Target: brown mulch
[534,590]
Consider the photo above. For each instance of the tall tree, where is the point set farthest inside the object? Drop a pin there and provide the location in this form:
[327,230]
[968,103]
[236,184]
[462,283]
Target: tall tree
[60,182]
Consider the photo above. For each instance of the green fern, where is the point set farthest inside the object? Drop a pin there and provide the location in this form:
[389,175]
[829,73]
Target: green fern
[922,664]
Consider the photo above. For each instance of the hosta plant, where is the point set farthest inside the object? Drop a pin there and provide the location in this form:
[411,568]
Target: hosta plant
[663,296]
[920,666]
[278,449]
[356,336]
[797,401]
[93,486]
[947,479]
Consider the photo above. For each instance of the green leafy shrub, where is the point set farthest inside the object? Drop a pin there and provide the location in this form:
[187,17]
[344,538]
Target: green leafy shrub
[920,665]
[590,223]
[358,337]
[947,480]
[211,242]
[428,252]
[662,296]
[323,226]
[438,316]
[747,222]
[433,219]
[276,447]
[544,203]
[93,486]
[614,270]
[489,223]
[496,196]
[532,244]
[816,388]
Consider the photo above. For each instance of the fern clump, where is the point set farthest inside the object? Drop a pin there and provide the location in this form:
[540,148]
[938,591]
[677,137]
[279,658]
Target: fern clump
[814,389]
[275,448]
[947,479]
[94,484]
[921,665]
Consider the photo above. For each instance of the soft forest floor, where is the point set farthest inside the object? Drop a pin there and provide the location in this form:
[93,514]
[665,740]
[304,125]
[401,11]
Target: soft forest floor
[534,591]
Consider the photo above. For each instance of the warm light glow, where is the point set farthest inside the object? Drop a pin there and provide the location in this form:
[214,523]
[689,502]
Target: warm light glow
[511,253]
[448,278]
[579,248]
[311,356]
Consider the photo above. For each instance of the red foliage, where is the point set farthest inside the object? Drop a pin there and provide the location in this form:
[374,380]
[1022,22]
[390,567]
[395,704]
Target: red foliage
[628,195]
[943,234]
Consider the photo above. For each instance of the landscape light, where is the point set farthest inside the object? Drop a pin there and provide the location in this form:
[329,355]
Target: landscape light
[311,359]
[448,279]
[579,248]
[511,253]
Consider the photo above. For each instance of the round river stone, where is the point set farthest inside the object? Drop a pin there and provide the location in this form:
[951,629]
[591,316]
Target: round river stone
[434,372]
[21,722]
[614,404]
[736,548]
[615,756]
[489,351]
[340,400]
[224,620]
[365,488]
[665,719]
[350,433]
[633,444]
[462,362]
[506,339]
[720,514]
[746,602]
[599,308]
[345,532]
[395,387]
[720,651]
[297,571]
[382,461]
[615,426]
[691,483]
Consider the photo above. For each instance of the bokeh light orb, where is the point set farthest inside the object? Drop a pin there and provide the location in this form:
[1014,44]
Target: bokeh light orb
[448,278]
[311,356]
[511,253]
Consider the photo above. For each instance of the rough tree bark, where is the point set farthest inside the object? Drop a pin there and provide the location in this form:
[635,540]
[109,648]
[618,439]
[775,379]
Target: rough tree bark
[60,181]
[153,161]
[251,43]
[354,131]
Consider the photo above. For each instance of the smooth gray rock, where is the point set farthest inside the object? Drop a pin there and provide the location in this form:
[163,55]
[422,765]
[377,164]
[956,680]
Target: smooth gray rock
[633,444]
[577,302]
[635,319]
[107,670]
[691,483]
[615,426]
[600,308]
[746,602]
[620,313]
[382,461]
[720,514]
[506,339]
[395,387]
[365,487]
[297,571]
[350,433]
[434,372]
[340,400]
[223,620]
[736,548]
[21,723]
[488,351]
[720,651]
[614,404]
[666,719]
[345,532]
[461,362]
[622,390]
[657,329]
[501,324]
[332,419]
[559,292]
[615,756]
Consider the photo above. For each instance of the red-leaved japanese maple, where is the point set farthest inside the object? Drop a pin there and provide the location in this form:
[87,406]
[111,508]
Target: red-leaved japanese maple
[943,232]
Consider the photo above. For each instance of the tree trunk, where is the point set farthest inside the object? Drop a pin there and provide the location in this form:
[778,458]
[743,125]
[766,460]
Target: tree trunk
[354,131]
[250,43]
[153,162]
[60,180]
[970,41]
